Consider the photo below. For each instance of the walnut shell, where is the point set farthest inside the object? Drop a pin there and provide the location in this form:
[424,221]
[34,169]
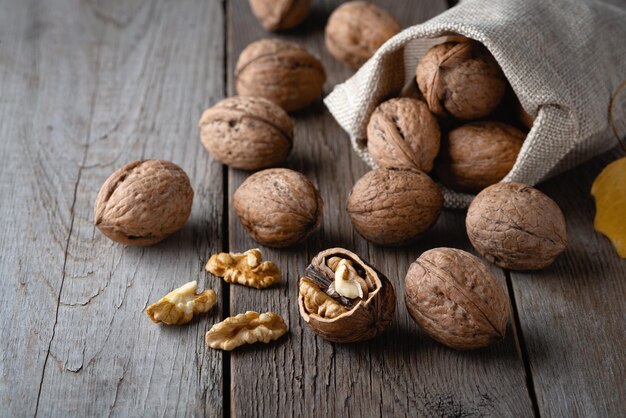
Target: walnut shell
[461,79]
[276,15]
[394,207]
[280,71]
[455,299]
[402,133]
[516,226]
[478,154]
[247,132]
[278,207]
[356,29]
[362,320]
[143,202]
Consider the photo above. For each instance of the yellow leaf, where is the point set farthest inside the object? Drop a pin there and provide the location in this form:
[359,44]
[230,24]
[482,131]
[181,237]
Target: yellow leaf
[609,192]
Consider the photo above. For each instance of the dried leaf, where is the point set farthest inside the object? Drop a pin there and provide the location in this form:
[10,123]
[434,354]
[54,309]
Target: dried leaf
[609,192]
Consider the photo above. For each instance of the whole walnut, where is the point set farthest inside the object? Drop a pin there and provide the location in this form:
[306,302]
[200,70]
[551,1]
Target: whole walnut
[455,299]
[280,71]
[247,132]
[356,29]
[478,154]
[462,79]
[277,15]
[516,227]
[394,206]
[278,207]
[343,299]
[402,133]
[143,202]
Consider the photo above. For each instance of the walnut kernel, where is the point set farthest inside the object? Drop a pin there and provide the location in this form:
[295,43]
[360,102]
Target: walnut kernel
[248,328]
[180,305]
[246,269]
[356,310]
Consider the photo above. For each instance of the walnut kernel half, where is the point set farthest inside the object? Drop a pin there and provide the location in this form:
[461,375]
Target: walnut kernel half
[246,328]
[246,268]
[180,305]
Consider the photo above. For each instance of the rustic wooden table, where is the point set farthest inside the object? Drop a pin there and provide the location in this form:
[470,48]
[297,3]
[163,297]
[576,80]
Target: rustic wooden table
[86,86]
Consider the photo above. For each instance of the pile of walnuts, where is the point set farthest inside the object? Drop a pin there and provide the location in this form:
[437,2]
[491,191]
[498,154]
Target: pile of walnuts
[456,126]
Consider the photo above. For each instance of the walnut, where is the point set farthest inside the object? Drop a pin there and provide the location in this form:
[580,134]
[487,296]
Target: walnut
[278,207]
[247,269]
[248,328]
[461,79]
[455,299]
[143,202]
[356,29]
[516,227]
[343,299]
[402,133]
[248,133]
[478,154]
[180,305]
[280,71]
[394,207]
[276,15]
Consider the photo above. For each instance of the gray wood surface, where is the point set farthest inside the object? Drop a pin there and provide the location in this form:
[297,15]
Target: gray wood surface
[88,85]
[573,314]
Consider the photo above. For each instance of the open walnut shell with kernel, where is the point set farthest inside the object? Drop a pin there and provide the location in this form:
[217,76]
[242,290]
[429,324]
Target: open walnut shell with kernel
[343,299]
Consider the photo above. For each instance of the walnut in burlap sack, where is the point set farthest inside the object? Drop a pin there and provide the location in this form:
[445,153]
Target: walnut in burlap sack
[563,59]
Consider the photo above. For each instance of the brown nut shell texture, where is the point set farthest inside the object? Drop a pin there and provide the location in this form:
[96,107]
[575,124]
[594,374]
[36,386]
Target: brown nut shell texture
[277,15]
[339,318]
[477,155]
[394,207]
[143,202]
[280,71]
[356,29]
[278,207]
[402,133]
[516,226]
[248,133]
[461,79]
[455,299]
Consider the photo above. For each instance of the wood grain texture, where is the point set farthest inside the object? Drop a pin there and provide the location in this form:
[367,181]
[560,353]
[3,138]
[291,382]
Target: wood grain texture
[573,313]
[403,372]
[90,86]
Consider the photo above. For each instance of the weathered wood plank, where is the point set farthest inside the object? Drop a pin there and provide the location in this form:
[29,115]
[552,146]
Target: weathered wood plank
[41,97]
[572,314]
[106,83]
[401,373]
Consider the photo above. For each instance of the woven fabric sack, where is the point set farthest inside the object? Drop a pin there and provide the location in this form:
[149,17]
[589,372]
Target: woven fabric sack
[563,59]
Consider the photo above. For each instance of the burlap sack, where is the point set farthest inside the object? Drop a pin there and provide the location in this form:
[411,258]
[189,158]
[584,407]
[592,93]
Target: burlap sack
[563,58]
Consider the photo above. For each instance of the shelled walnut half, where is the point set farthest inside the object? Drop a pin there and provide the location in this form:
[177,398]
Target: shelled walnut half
[180,305]
[246,268]
[248,328]
[343,299]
